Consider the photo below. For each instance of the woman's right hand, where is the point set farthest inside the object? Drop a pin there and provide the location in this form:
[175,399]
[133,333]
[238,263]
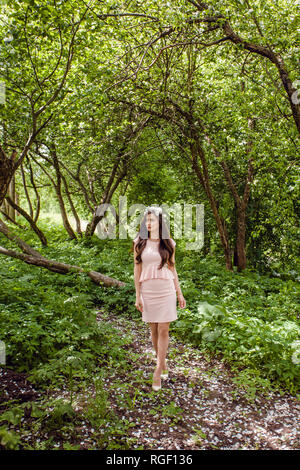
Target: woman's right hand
[181,300]
[139,304]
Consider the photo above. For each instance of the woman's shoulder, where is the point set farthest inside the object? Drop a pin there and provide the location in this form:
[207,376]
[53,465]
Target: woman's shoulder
[137,238]
[173,241]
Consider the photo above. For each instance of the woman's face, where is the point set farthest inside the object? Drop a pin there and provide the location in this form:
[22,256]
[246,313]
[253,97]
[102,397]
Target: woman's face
[152,223]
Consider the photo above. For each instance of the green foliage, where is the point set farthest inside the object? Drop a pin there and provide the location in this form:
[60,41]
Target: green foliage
[37,318]
[198,436]
[12,416]
[173,411]
[251,383]
[249,319]
[9,439]
[91,118]
[62,412]
[109,429]
[97,408]
[48,321]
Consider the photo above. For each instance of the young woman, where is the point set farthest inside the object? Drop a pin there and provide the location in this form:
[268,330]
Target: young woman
[156,284]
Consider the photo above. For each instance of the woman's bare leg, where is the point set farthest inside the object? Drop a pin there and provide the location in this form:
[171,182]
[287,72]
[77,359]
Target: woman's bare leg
[163,342]
[154,335]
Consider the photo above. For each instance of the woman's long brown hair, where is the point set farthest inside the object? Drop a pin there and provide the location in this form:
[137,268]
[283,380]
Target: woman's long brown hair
[165,247]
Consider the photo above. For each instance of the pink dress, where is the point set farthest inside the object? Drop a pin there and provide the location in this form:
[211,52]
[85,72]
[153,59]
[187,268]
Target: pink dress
[157,287]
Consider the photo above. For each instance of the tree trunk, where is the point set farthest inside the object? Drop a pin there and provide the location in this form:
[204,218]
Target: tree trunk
[76,178]
[10,220]
[38,205]
[240,203]
[62,268]
[242,207]
[57,187]
[33,225]
[26,190]
[18,241]
[12,195]
[6,173]
[74,212]
[241,239]
[109,191]
[63,211]
[33,257]
[204,179]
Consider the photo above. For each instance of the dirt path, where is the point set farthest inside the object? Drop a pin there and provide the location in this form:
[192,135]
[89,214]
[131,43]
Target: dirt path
[198,407]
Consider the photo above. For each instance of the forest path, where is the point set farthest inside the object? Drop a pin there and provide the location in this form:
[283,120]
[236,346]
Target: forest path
[199,406]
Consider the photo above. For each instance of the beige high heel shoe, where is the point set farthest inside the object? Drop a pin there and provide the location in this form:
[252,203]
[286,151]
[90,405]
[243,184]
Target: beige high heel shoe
[156,387]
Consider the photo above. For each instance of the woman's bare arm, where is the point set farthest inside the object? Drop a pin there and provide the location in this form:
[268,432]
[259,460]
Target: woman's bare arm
[137,273]
[176,280]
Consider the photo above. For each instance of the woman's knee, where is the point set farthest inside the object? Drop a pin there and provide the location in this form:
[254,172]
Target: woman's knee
[163,329]
[153,327]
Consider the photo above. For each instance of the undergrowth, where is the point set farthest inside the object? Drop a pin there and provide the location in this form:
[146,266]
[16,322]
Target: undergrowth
[49,326]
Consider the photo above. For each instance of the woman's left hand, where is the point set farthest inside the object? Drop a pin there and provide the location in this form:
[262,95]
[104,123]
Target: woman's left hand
[181,300]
